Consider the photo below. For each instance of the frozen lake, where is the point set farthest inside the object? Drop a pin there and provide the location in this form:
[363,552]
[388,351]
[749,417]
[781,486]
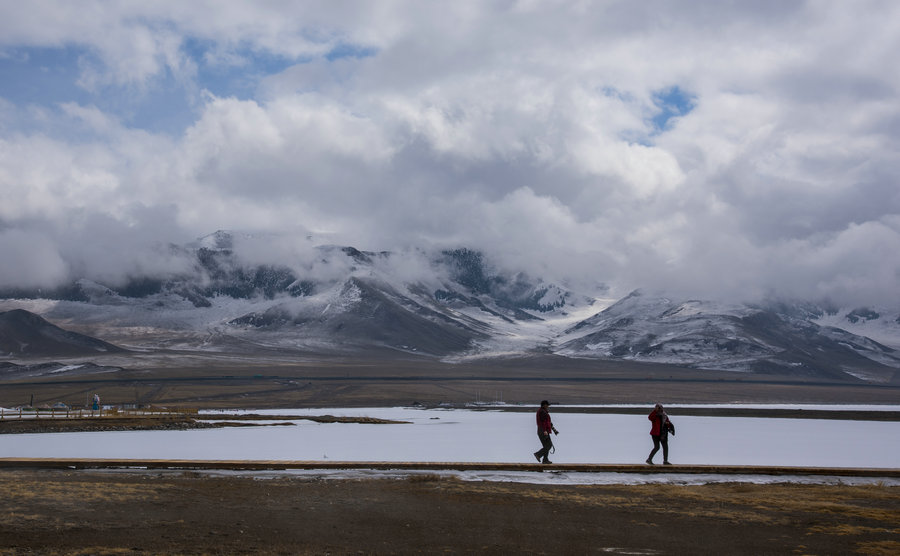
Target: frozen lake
[463,435]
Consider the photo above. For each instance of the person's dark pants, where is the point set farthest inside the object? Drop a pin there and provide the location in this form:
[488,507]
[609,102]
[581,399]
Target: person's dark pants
[547,445]
[657,440]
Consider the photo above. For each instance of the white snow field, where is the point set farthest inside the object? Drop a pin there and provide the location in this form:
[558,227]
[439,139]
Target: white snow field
[466,435]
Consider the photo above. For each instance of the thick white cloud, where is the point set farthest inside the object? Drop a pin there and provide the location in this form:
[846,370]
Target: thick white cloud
[536,131]
[32,260]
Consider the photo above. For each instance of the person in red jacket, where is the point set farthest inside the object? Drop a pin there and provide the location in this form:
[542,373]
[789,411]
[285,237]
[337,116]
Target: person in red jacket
[659,431]
[544,428]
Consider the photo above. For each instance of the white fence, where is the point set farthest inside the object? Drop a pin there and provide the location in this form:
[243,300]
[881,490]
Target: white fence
[79,413]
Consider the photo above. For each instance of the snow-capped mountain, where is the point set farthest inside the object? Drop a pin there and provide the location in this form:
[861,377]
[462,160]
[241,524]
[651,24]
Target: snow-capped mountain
[451,303]
[327,297]
[776,338]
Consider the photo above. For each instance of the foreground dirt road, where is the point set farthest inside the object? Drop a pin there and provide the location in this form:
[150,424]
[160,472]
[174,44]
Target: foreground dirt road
[90,512]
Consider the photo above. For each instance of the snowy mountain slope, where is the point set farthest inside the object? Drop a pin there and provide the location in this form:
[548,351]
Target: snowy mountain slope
[328,297]
[880,325]
[365,311]
[229,295]
[660,329]
[733,337]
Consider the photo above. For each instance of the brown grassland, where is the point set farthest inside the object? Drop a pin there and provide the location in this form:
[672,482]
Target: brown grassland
[257,381]
[134,512]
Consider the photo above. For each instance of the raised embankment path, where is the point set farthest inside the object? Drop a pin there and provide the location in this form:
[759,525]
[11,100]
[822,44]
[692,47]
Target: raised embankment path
[278,465]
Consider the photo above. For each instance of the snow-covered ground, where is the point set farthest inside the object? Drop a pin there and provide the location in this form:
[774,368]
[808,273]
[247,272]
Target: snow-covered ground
[465,435]
[884,329]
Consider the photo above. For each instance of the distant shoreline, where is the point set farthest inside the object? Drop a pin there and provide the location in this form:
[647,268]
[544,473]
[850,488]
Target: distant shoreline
[31,425]
[34,425]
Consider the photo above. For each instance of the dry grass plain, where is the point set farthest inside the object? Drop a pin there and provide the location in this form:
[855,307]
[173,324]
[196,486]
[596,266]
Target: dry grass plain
[123,513]
[266,381]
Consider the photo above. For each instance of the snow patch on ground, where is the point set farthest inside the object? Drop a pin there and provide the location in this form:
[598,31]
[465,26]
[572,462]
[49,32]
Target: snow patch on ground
[546,477]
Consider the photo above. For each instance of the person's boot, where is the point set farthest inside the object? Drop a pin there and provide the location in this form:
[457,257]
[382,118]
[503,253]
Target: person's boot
[546,461]
[537,456]
[649,461]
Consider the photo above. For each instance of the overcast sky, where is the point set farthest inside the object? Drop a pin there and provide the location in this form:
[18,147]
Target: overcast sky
[721,148]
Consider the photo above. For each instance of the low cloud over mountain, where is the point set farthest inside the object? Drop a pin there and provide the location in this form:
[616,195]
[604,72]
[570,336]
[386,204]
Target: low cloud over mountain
[451,303]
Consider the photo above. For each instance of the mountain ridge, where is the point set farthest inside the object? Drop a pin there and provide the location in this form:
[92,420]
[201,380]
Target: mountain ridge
[455,303]
[23,333]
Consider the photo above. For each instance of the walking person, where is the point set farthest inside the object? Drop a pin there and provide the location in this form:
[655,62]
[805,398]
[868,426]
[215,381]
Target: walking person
[544,428]
[659,431]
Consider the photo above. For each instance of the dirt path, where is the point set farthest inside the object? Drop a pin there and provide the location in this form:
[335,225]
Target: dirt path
[87,512]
